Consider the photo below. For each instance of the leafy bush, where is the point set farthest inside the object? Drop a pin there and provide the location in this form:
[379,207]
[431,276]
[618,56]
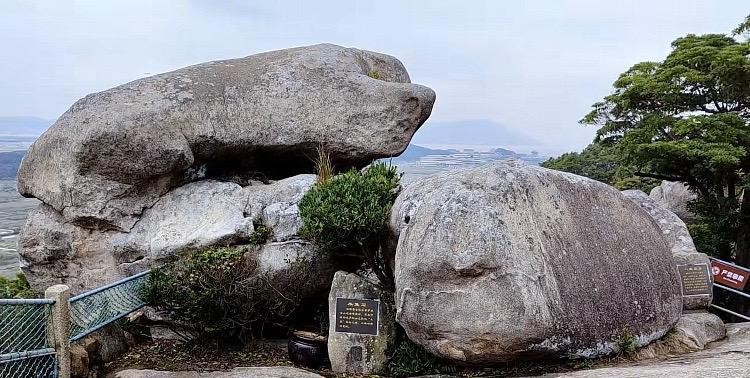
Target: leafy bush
[220,292]
[349,214]
[375,74]
[409,359]
[16,288]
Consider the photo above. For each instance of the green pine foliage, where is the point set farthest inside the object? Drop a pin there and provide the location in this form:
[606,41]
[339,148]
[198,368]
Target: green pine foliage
[682,119]
[348,214]
[603,163]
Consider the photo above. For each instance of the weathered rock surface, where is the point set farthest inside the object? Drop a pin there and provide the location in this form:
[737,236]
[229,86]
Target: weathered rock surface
[195,215]
[114,154]
[239,372]
[508,261]
[674,196]
[726,358]
[355,352]
[679,240]
[693,332]
[673,228]
[97,349]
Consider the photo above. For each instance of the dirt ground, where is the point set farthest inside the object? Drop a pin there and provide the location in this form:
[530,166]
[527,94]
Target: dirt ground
[173,356]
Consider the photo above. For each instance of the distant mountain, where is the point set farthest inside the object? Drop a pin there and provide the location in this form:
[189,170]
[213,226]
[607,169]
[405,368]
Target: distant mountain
[468,132]
[9,162]
[32,126]
[414,152]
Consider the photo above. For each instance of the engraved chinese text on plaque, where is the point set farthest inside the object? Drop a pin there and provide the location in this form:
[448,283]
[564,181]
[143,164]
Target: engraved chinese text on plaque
[357,315]
[695,279]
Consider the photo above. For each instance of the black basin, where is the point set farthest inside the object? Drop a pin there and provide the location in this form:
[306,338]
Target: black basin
[308,349]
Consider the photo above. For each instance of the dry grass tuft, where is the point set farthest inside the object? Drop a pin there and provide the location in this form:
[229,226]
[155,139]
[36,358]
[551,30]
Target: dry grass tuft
[323,165]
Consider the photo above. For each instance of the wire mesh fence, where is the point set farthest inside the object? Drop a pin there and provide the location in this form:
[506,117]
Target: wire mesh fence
[95,309]
[23,324]
[25,349]
[27,365]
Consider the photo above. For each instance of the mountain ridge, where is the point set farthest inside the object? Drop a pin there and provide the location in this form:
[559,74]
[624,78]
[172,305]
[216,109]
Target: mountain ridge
[470,131]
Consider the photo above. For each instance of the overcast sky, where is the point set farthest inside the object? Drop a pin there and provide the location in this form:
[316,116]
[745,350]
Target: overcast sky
[535,66]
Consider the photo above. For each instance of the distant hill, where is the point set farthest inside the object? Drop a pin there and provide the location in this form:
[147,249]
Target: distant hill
[470,132]
[414,152]
[31,126]
[9,162]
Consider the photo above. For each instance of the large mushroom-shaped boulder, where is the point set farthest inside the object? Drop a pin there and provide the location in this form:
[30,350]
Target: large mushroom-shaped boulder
[114,153]
[508,261]
[202,156]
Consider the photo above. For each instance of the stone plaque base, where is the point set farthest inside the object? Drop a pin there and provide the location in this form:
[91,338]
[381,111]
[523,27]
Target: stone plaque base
[361,328]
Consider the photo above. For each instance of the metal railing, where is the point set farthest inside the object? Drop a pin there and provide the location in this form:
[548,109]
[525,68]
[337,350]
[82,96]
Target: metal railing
[96,309]
[731,290]
[728,311]
[35,334]
[26,344]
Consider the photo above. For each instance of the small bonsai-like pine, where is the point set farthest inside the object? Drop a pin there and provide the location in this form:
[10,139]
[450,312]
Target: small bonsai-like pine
[348,214]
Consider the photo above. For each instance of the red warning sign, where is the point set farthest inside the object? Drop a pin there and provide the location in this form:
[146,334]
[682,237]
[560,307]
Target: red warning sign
[729,274]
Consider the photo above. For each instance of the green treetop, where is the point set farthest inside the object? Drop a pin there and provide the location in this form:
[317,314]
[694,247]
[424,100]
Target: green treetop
[686,119]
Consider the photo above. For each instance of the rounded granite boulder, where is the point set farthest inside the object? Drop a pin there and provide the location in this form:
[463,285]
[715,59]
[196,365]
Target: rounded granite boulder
[509,261]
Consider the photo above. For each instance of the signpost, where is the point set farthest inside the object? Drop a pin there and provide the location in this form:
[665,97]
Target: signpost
[729,275]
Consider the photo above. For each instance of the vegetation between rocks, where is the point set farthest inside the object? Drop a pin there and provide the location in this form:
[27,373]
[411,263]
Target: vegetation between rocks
[410,359]
[625,343]
[347,216]
[221,293]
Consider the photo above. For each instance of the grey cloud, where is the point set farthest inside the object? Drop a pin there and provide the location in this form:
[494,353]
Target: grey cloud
[535,66]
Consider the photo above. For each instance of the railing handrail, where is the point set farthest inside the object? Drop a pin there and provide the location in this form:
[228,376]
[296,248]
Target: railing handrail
[27,301]
[730,312]
[10,357]
[720,286]
[728,263]
[105,287]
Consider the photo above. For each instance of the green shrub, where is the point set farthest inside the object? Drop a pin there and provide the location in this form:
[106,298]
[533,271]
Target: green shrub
[410,359]
[220,293]
[261,234]
[349,214]
[16,288]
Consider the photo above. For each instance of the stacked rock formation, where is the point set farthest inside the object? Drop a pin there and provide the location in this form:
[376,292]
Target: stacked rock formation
[179,160]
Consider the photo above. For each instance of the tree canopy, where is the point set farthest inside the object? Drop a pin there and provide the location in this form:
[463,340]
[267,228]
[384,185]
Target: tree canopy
[682,119]
[602,162]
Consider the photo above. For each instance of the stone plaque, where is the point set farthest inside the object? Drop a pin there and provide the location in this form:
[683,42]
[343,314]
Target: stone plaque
[695,279]
[357,315]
